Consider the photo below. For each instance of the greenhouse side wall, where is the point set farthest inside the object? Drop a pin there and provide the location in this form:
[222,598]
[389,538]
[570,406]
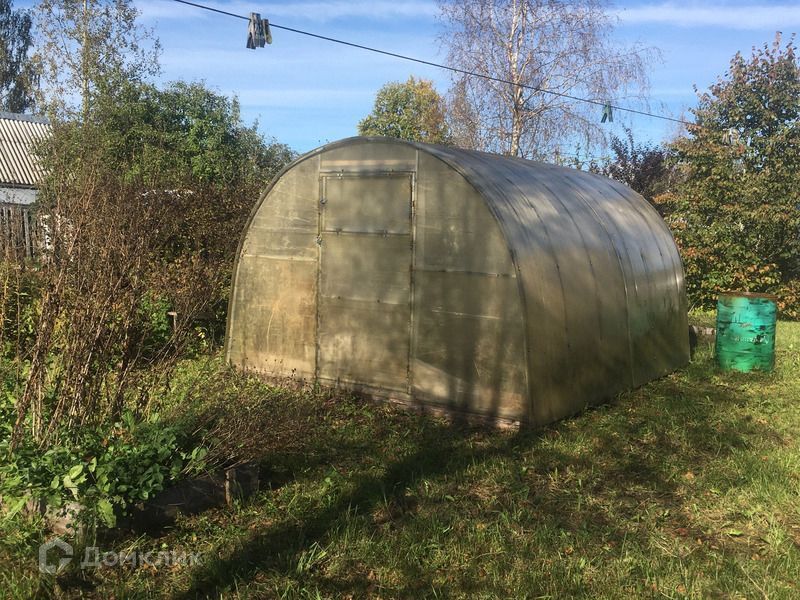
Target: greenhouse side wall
[469,347]
[272,314]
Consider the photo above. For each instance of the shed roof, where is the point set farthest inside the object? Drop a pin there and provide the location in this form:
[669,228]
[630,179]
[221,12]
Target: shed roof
[19,134]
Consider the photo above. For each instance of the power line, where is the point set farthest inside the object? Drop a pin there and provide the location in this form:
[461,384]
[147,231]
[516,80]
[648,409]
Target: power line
[445,67]
[216,10]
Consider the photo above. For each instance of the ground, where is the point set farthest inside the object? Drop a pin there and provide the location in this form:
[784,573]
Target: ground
[686,487]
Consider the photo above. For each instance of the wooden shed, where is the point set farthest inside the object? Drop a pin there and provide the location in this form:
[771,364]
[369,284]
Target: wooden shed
[457,279]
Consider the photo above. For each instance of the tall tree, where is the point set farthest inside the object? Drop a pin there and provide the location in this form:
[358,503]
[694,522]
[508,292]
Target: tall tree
[546,50]
[185,134]
[87,47]
[413,110]
[17,77]
[736,216]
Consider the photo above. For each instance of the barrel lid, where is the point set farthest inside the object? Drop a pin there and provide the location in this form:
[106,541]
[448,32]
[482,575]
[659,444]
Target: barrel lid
[749,295]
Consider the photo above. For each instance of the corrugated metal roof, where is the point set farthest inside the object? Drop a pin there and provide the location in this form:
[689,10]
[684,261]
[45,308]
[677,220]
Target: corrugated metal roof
[19,135]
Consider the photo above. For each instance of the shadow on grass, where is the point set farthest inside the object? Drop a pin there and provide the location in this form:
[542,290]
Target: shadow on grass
[636,450]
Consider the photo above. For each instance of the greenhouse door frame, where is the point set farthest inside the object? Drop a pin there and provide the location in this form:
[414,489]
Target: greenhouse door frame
[365,279]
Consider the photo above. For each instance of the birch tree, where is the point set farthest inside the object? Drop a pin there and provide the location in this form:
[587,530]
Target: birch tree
[547,50]
[17,79]
[85,48]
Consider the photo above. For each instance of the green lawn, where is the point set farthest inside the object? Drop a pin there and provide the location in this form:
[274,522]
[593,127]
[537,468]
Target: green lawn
[687,487]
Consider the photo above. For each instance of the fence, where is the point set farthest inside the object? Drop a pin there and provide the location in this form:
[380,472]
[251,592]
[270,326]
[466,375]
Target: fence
[17,231]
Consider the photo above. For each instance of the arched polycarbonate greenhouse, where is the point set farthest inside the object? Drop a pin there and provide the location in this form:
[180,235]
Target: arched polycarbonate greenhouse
[457,279]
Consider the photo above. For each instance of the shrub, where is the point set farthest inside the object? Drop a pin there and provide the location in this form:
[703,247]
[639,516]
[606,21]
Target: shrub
[20,290]
[736,215]
[105,469]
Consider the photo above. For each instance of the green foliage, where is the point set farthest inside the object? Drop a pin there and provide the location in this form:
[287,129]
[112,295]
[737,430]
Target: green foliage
[107,469]
[183,136]
[144,199]
[413,110]
[209,417]
[20,289]
[186,147]
[144,202]
[157,330]
[736,216]
[17,77]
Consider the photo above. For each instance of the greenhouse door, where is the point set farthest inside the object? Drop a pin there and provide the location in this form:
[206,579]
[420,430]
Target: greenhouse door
[364,287]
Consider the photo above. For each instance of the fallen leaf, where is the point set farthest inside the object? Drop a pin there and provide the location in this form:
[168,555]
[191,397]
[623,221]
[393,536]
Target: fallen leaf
[734,532]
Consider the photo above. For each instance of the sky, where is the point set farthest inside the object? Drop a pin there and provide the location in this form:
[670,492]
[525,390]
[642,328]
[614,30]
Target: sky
[306,92]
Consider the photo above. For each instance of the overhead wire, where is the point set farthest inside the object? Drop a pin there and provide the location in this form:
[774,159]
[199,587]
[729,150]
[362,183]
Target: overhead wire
[446,67]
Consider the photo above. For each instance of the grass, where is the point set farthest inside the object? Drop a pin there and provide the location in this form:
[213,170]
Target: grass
[686,487]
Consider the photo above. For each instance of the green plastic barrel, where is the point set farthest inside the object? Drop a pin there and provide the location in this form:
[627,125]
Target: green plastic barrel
[746,331]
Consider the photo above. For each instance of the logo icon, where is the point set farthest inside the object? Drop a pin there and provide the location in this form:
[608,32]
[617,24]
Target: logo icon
[64,551]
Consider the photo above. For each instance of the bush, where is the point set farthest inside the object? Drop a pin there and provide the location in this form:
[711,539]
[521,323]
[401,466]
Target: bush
[105,469]
[736,214]
[143,202]
[210,417]
[20,291]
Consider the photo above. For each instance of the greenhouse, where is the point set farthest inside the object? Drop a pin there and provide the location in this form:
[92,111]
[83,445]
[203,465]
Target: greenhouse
[476,283]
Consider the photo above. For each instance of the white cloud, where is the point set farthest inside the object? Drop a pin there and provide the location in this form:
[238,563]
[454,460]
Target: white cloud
[317,11]
[746,17]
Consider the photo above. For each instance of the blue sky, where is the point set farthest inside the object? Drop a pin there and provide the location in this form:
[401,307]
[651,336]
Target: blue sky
[305,92]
